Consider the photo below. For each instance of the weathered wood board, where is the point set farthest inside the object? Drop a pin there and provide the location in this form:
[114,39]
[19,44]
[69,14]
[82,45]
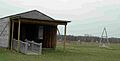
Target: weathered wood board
[4,32]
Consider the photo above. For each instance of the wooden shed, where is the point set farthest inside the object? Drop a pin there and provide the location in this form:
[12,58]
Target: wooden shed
[33,26]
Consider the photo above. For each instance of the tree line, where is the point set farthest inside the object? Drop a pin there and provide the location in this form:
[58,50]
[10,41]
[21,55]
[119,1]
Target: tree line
[86,38]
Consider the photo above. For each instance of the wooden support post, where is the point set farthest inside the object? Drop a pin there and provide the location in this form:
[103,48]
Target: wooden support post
[12,35]
[65,38]
[18,47]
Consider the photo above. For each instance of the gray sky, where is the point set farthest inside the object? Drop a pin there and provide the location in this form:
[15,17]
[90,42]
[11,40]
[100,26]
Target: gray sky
[87,16]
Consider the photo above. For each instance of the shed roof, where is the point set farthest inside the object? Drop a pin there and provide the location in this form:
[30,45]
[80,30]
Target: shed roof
[37,15]
[34,14]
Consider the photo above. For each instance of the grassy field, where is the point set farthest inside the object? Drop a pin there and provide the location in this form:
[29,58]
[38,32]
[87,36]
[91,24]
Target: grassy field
[73,52]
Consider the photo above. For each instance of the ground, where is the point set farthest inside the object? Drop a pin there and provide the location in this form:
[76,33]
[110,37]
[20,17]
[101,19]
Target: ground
[74,52]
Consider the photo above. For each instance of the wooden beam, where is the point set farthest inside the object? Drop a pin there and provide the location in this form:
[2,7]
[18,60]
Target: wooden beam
[65,37]
[18,35]
[12,35]
[60,22]
[40,22]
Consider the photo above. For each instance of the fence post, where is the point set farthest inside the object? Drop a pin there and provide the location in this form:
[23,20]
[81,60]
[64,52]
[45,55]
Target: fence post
[40,51]
[32,45]
[26,47]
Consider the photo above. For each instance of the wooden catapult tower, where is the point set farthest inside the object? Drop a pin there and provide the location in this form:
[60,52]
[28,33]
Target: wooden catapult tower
[104,41]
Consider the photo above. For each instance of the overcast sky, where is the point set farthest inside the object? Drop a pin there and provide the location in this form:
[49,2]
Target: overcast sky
[87,16]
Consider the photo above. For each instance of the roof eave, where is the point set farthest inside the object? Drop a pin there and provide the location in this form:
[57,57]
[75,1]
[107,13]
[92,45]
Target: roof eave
[59,22]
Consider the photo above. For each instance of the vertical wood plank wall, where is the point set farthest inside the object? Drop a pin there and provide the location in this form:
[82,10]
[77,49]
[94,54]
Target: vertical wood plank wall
[50,36]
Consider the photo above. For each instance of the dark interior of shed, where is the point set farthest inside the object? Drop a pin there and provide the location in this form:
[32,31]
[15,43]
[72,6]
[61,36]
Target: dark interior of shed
[27,31]
[45,34]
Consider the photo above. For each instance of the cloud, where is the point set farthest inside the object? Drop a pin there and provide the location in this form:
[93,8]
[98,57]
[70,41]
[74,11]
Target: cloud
[64,1]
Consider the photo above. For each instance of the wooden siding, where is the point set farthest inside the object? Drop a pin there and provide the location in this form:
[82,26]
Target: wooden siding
[4,32]
[50,36]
